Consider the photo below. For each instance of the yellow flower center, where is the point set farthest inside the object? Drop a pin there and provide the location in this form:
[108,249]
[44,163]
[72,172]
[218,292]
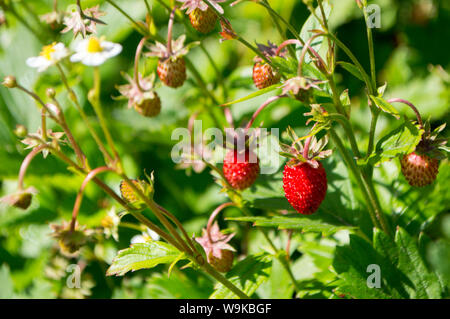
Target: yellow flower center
[48,50]
[94,45]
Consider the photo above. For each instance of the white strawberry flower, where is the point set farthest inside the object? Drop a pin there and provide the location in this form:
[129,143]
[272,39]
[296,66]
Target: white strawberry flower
[94,51]
[50,55]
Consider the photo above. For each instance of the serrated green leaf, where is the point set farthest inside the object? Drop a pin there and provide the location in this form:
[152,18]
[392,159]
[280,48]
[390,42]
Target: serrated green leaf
[385,106]
[247,275]
[400,141]
[351,262]
[143,256]
[426,284]
[303,223]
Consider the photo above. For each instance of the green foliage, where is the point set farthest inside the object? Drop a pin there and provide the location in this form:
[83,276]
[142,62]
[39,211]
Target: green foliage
[328,252]
[247,275]
[143,256]
[403,270]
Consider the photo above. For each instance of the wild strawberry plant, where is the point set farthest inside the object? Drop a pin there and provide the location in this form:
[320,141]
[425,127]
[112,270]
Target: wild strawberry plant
[313,226]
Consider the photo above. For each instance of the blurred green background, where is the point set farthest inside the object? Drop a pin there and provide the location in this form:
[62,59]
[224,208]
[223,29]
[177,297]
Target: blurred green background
[411,55]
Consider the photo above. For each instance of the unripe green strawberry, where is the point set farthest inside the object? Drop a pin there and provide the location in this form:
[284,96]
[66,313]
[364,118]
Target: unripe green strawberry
[304,186]
[419,169]
[127,192]
[223,263]
[203,21]
[149,107]
[241,170]
[172,71]
[264,76]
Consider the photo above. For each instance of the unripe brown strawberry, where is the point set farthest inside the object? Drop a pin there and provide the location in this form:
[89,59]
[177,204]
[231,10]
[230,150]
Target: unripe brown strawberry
[304,186]
[149,107]
[419,169]
[241,169]
[203,21]
[172,71]
[141,96]
[264,76]
[215,243]
[222,263]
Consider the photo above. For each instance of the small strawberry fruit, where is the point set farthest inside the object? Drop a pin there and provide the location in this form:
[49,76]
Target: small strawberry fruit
[215,243]
[304,178]
[241,169]
[305,186]
[419,170]
[171,65]
[222,263]
[421,167]
[203,21]
[149,107]
[202,17]
[172,72]
[141,96]
[263,74]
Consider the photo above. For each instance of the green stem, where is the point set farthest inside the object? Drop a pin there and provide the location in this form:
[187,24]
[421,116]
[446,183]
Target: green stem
[73,97]
[373,124]
[282,260]
[354,60]
[294,32]
[280,30]
[371,203]
[136,25]
[220,278]
[94,98]
[216,70]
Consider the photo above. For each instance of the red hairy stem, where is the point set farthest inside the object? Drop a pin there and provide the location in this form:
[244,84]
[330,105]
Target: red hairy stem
[214,215]
[136,62]
[419,117]
[79,198]
[266,103]
[26,162]
[228,116]
[169,31]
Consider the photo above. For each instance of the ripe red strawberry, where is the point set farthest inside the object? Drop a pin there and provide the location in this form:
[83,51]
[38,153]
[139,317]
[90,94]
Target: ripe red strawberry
[419,169]
[263,74]
[304,186]
[304,178]
[172,72]
[149,107]
[241,170]
[222,263]
[203,21]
